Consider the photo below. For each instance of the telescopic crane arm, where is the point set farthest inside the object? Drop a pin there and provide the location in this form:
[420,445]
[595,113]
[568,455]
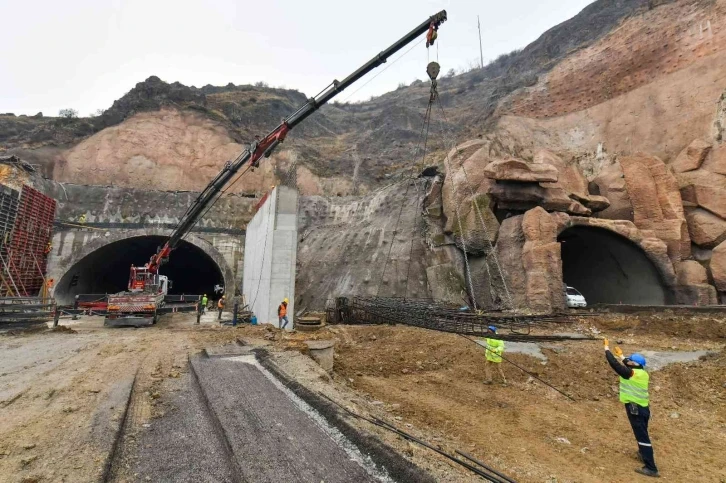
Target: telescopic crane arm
[265,146]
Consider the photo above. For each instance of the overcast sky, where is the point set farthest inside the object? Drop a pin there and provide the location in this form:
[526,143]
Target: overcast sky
[84,54]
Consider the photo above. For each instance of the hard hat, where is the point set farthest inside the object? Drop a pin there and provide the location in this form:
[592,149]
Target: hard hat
[638,359]
[492,328]
[205,295]
[286,301]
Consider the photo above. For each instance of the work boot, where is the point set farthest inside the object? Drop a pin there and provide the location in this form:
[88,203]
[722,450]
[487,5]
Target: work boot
[647,472]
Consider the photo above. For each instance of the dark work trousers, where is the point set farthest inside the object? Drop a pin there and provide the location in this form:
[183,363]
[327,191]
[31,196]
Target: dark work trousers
[219,317]
[639,423]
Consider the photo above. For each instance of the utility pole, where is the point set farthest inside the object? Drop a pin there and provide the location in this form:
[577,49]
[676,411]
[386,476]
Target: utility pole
[481,52]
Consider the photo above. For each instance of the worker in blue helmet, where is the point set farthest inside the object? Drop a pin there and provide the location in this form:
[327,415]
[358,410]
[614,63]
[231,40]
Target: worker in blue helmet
[494,350]
[634,382]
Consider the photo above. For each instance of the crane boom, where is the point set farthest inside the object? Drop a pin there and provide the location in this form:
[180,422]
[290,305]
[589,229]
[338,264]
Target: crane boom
[265,146]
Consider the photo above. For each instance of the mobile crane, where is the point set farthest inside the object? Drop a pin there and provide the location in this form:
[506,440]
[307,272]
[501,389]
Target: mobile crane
[147,288]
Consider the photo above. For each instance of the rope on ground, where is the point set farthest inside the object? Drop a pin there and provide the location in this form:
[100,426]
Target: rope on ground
[487,473]
[520,368]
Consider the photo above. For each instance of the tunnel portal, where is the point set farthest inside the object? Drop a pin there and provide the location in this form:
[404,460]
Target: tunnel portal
[106,270]
[608,268]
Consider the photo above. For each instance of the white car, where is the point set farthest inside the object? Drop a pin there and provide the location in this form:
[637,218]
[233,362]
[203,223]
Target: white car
[574,298]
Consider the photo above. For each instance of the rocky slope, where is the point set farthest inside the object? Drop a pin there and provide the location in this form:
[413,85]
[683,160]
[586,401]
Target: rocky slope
[345,148]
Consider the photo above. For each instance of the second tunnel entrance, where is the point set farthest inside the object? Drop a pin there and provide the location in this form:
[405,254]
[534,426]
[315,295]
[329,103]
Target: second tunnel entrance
[608,268]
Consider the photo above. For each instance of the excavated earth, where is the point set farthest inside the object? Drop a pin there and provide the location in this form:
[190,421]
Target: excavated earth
[64,392]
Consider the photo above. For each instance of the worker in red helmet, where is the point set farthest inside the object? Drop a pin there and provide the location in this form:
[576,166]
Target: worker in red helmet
[634,383]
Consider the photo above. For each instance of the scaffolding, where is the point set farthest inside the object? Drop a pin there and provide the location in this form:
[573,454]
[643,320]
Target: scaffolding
[26,225]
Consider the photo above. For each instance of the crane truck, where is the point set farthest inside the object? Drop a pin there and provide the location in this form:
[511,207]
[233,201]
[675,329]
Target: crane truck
[147,288]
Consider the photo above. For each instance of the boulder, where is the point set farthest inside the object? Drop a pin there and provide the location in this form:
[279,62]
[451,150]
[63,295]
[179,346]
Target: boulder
[718,267]
[594,203]
[516,170]
[691,157]
[706,229]
[704,189]
[690,272]
[611,184]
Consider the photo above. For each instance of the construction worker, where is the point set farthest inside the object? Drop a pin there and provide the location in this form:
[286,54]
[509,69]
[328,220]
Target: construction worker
[634,394]
[220,307]
[282,313]
[205,301]
[494,351]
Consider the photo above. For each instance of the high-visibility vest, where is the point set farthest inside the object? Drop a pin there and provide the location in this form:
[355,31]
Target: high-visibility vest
[204,301]
[282,310]
[495,348]
[635,389]
[220,304]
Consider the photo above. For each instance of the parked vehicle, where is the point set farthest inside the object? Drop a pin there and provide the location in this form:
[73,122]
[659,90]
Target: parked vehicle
[574,298]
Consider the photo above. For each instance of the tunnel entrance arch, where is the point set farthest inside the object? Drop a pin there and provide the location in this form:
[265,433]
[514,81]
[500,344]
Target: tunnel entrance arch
[104,267]
[609,268]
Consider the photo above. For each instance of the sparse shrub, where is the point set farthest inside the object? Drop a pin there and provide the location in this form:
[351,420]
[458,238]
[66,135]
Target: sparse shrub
[68,113]
[261,84]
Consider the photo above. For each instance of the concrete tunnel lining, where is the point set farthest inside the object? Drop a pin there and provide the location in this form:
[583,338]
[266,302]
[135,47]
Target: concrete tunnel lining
[104,268]
[608,268]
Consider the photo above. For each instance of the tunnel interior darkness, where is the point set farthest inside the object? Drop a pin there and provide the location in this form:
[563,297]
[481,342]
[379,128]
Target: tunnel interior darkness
[106,270]
[608,268]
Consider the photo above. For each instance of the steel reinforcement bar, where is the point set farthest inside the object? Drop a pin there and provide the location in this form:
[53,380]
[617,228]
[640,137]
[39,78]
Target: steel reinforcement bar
[429,314]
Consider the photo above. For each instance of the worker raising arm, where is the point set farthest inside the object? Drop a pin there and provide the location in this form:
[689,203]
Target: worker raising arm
[634,394]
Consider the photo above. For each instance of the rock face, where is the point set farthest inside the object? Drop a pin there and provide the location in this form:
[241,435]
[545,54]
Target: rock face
[161,150]
[611,184]
[464,199]
[656,201]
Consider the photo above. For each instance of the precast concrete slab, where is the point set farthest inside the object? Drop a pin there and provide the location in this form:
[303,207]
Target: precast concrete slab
[271,257]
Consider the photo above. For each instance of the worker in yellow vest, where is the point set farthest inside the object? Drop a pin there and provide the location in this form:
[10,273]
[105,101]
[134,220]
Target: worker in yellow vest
[494,350]
[205,301]
[634,394]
